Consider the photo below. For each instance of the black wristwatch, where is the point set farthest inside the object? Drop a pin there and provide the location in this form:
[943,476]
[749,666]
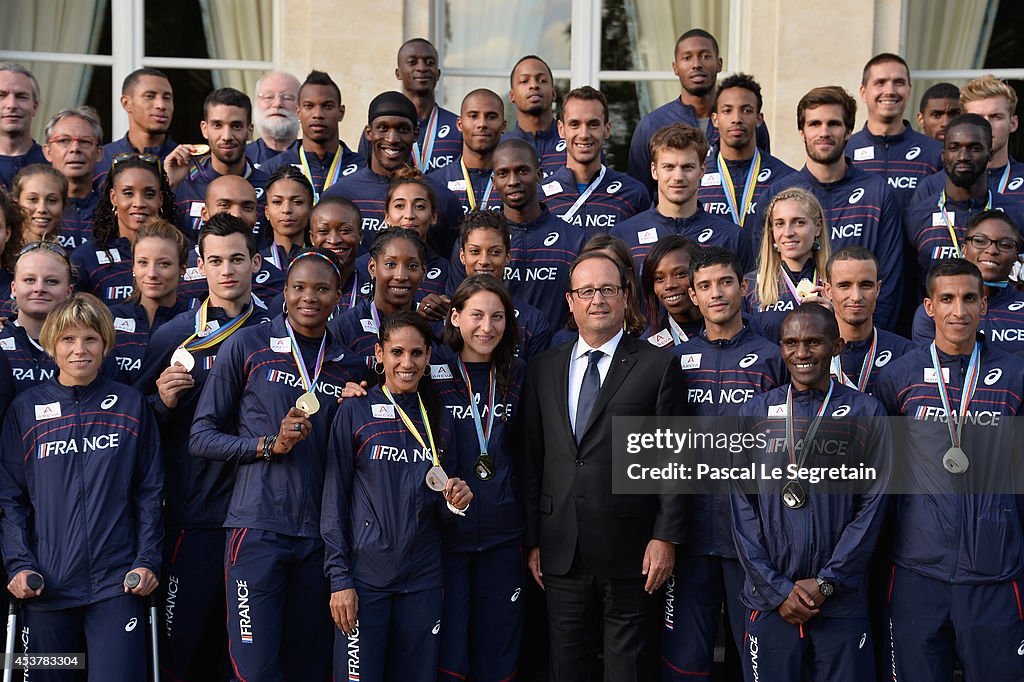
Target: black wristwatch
[826,588]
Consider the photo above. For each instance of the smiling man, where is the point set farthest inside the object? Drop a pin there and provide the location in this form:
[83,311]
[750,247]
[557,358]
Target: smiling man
[19,102]
[887,146]
[391,130]
[586,193]
[738,173]
[936,224]
[677,164]
[805,549]
[226,126]
[958,552]
[147,98]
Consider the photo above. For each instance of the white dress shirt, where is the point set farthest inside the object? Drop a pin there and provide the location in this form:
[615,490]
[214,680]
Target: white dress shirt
[578,367]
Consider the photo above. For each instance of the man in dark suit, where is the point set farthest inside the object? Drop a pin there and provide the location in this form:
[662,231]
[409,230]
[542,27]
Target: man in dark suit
[596,553]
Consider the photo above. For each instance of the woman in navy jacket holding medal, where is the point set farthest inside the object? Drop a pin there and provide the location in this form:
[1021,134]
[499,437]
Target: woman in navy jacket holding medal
[479,379]
[387,489]
[267,407]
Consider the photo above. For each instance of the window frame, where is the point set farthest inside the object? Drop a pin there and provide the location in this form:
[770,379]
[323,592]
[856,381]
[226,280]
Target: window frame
[128,52]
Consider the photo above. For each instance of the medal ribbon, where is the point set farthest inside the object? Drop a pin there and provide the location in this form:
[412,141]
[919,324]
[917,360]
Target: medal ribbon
[219,335]
[308,382]
[809,436]
[865,366]
[970,384]
[1005,178]
[748,189]
[582,199]
[332,172]
[412,427]
[482,435]
[275,258]
[430,137]
[678,335]
[949,223]
[470,193]
[375,316]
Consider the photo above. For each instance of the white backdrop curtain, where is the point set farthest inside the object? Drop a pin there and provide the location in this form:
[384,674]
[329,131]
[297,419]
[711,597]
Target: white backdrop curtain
[238,29]
[948,35]
[655,25]
[54,26]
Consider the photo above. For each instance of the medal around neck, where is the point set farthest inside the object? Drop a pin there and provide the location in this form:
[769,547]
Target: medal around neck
[793,495]
[200,149]
[436,479]
[308,403]
[184,358]
[483,467]
[955,461]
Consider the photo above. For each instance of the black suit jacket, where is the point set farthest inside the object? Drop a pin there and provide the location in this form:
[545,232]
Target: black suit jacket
[568,487]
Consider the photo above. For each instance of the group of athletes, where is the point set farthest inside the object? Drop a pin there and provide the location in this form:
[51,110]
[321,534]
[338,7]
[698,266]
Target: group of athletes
[278,381]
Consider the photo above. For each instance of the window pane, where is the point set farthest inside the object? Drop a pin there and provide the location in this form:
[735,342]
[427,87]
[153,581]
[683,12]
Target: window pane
[190,86]
[640,35]
[175,29]
[476,35]
[54,25]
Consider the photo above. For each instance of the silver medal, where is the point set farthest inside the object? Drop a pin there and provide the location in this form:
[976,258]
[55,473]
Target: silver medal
[436,479]
[955,461]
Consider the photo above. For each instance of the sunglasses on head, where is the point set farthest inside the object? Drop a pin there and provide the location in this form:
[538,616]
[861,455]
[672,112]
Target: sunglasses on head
[150,159]
[52,247]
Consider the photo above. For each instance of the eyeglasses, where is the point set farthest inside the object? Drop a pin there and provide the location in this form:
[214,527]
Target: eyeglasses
[587,293]
[271,96]
[65,141]
[151,159]
[52,247]
[980,241]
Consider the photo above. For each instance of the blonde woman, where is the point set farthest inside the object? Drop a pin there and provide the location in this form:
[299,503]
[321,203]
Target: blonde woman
[791,260]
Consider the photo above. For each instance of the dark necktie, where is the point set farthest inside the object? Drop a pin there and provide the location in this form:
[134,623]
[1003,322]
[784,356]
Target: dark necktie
[588,392]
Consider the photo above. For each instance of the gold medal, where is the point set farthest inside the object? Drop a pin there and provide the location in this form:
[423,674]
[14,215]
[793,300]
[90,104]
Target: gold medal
[200,149]
[308,403]
[804,289]
[436,479]
[184,358]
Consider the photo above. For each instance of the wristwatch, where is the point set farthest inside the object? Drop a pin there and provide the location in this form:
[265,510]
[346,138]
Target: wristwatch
[825,587]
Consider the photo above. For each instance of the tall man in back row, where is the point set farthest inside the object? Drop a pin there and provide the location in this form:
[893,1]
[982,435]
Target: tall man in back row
[697,63]
[147,98]
[439,141]
[532,91]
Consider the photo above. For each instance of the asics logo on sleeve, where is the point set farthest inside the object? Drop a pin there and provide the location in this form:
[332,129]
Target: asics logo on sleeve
[436,629]
[109,401]
[515,595]
[856,196]
[1016,305]
[262,276]
[560,147]
[433,273]
[864,636]
[1015,185]
[913,153]
[1020,649]
[705,235]
[764,175]
[350,169]
[259,193]
[883,358]
[748,360]
[551,239]
[993,376]
[841,411]
[130,625]
[614,187]
[444,130]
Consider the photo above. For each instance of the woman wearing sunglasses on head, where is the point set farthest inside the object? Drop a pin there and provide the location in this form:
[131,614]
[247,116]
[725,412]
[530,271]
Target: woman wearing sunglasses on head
[42,281]
[135,191]
[390,481]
